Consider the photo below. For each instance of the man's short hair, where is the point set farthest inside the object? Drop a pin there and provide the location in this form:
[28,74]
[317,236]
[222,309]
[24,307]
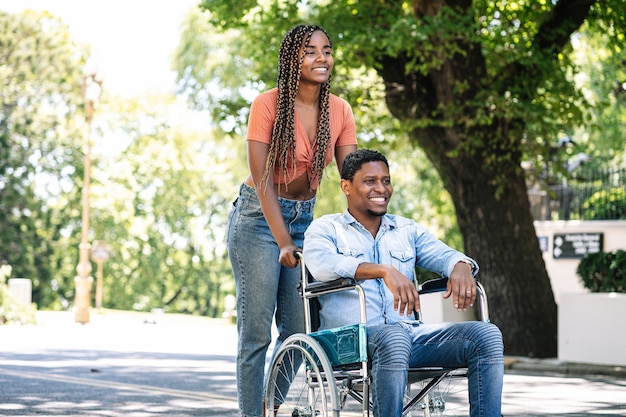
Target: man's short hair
[353,162]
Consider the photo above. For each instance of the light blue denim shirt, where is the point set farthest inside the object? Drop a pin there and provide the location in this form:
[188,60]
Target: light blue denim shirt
[336,244]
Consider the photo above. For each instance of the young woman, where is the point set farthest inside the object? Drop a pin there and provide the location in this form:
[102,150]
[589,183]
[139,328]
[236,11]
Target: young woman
[294,130]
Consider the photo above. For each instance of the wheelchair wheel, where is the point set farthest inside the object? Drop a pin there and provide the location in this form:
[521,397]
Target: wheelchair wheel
[300,381]
[446,399]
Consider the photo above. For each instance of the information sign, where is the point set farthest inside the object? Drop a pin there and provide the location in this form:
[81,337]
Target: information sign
[576,245]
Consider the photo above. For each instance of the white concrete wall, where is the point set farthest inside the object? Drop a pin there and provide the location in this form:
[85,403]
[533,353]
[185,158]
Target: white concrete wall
[562,272]
[591,326]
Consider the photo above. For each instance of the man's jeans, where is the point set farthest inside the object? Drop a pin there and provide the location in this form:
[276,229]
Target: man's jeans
[263,285]
[393,348]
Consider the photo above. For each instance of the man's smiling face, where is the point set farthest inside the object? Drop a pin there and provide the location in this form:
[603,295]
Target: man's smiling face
[369,191]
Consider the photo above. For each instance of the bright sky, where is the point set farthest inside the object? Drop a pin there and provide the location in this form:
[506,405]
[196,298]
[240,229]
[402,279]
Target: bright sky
[133,39]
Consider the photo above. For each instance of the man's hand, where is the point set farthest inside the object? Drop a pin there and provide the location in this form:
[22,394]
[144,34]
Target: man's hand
[405,296]
[461,286]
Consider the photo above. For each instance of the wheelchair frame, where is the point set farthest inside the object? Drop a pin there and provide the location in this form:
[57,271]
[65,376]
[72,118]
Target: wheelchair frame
[322,386]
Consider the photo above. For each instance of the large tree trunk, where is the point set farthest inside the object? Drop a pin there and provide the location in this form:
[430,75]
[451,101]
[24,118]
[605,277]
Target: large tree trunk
[499,233]
[487,199]
[480,165]
[471,124]
[512,269]
[521,300]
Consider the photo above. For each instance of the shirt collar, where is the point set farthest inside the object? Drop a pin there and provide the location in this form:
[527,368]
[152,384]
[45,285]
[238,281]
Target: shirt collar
[388,221]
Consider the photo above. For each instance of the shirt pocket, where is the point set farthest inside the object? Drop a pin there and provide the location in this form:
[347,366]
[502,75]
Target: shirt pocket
[352,252]
[403,261]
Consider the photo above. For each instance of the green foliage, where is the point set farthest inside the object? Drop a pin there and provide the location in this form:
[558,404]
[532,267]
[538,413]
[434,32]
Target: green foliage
[604,83]
[159,194]
[204,56]
[161,204]
[606,205]
[522,82]
[40,155]
[603,271]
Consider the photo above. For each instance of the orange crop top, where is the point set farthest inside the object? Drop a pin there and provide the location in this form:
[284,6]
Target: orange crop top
[261,123]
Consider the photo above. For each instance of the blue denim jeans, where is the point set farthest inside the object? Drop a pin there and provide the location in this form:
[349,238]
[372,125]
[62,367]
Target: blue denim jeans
[393,348]
[266,290]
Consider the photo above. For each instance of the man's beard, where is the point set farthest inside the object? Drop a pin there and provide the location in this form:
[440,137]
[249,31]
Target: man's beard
[376,213]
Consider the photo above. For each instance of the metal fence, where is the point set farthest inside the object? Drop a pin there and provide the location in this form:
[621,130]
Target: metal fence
[587,194]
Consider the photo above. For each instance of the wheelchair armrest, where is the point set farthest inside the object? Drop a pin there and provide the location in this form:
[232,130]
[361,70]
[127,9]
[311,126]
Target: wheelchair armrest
[318,287]
[441,284]
[434,285]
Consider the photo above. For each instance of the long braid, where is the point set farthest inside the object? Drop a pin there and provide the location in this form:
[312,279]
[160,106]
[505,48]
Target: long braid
[283,143]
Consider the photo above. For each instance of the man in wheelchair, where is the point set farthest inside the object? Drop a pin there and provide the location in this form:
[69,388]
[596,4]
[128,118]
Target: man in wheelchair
[381,250]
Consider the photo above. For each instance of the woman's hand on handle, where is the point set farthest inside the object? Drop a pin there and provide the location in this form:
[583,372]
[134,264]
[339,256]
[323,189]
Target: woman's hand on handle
[288,256]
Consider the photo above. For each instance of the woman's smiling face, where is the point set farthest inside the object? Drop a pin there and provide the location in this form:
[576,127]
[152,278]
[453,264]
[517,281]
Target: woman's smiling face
[318,59]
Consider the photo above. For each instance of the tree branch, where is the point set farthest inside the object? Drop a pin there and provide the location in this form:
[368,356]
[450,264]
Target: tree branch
[566,17]
[552,36]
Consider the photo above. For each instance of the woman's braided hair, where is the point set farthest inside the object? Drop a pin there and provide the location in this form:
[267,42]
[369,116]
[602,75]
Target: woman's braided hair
[283,143]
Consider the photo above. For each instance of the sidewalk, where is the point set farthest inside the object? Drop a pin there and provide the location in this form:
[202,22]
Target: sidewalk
[115,330]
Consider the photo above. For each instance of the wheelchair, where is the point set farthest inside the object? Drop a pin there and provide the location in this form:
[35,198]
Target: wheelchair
[314,374]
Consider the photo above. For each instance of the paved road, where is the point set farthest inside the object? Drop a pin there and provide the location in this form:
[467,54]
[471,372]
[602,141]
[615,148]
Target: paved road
[120,366]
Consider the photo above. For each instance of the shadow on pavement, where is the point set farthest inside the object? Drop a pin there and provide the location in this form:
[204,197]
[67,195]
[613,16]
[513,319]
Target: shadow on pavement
[112,383]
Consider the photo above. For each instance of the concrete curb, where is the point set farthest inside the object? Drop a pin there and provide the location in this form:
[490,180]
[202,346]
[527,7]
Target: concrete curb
[530,365]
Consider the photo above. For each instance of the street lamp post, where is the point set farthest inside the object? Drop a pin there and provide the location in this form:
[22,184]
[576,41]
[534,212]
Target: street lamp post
[92,86]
